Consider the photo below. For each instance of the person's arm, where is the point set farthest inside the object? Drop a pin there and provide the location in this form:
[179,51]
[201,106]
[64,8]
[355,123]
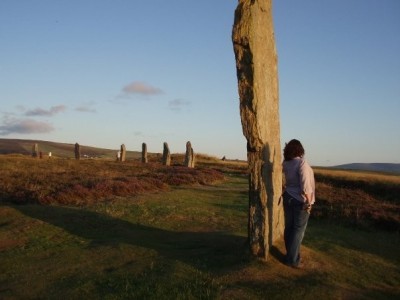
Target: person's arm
[306,185]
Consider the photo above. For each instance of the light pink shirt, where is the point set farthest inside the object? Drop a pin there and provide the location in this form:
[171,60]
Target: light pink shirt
[299,179]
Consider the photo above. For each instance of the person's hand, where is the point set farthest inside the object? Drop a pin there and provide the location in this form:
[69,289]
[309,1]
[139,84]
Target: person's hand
[307,202]
[307,207]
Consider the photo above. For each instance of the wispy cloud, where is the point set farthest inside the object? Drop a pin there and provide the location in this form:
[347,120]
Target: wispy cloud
[87,107]
[138,90]
[39,112]
[141,88]
[24,126]
[178,104]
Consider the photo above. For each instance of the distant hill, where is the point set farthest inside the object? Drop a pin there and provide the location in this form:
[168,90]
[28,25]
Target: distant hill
[63,150]
[379,167]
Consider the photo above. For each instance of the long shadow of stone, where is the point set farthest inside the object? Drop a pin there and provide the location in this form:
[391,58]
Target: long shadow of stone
[211,251]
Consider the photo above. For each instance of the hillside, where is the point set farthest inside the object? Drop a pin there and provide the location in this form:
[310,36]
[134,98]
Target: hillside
[62,150]
[65,150]
[378,167]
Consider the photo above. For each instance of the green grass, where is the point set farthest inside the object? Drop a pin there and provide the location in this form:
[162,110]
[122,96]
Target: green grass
[183,243]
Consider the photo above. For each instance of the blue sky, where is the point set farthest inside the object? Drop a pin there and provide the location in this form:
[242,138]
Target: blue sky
[103,73]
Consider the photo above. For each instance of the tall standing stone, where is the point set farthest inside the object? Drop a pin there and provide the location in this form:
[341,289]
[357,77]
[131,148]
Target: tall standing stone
[35,150]
[166,155]
[123,153]
[256,65]
[189,156]
[144,153]
[77,151]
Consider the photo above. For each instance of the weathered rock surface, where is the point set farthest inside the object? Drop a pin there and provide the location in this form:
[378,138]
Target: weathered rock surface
[256,64]
[166,155]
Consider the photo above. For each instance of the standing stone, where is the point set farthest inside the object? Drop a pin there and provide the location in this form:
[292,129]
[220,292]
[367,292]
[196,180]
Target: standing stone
[35,150]
[166,155]
[118,155]
[256,65]
[144,153]
[189,157]
[77,151]
[123,153]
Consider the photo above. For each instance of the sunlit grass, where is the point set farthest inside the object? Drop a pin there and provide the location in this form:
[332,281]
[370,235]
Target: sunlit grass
[365,176]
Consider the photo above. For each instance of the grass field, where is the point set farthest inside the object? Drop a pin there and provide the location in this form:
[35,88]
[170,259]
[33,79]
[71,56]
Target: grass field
[178,239]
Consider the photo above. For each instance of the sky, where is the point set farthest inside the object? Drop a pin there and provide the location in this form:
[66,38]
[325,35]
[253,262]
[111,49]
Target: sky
[104,73]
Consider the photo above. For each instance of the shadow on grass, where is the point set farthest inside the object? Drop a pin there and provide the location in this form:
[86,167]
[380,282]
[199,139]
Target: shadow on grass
[216,253]
[210,251]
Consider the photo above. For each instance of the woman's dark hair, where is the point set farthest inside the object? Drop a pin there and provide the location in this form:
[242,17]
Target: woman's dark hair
[293,149]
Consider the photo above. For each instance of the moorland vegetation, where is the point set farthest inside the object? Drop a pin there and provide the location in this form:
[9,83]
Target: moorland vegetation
[104,229]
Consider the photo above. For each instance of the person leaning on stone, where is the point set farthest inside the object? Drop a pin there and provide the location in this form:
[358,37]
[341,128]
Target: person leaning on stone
[298,198]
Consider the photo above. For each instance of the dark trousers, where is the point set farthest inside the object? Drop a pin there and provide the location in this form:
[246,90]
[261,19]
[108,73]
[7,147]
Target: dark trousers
[296,219]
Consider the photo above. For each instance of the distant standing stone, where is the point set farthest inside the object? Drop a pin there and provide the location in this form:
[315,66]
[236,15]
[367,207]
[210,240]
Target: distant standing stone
[123,153]
[77,151]
[35,150]
[144,153]
[189,157]
[166,155]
